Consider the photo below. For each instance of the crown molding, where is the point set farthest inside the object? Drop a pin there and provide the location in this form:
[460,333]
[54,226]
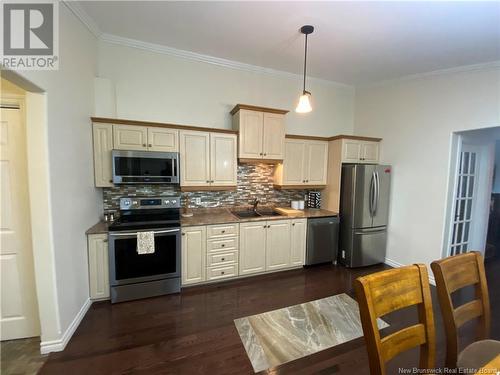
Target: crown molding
[194,56]
[83,16]
[491,65]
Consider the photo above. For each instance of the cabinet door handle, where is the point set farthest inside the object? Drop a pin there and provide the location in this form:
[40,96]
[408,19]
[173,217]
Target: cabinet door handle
[261,154]
[111,181]
[105,240]
[223,231]
[293,224]
[265,226]
[143,145]
[183,234]
[222,273]
[208,181]
[265,154]
[150,145]
[222,259]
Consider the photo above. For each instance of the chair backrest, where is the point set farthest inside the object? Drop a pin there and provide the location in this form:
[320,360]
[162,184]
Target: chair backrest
[454,273]
[383,292]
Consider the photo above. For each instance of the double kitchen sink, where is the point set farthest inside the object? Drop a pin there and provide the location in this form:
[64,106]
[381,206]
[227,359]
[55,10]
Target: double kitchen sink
[255,213]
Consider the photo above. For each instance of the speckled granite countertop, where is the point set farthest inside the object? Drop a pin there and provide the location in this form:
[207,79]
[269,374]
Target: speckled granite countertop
[209,216]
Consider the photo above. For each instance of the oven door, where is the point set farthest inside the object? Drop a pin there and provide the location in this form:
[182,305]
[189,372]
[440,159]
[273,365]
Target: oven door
[126,266]
[139,167]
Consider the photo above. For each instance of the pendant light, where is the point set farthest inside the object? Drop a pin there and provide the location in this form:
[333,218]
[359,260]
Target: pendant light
[304,104]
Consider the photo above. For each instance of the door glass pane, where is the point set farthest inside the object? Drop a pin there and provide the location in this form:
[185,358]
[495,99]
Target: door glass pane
[469,209]
[471,186]
[461,215]
[465,165]
[463,188]
[458,186]
[466,232]
[472,168]
[459,232]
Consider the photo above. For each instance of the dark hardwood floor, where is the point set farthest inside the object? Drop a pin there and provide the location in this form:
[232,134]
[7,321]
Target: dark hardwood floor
[194,333]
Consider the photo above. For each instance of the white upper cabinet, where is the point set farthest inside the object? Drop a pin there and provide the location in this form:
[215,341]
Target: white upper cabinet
[251,132]
[316,162]
[194,158]
[163,139]
[130,137]
[208,159]
[305,163]
[273,144]
[261,132]
[360,151]
[223,164]
[103,145]
[294,162]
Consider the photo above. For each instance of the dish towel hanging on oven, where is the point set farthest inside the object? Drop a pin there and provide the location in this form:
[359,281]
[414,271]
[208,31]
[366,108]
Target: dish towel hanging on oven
[145,243]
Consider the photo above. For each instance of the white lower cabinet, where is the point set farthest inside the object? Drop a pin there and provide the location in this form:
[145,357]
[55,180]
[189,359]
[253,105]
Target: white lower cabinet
[298,233]
[253,247]
[278,245]
[217,252]
[98,266]
[194,249]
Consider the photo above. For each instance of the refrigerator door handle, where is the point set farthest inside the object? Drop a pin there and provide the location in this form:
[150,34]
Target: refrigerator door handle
[372,195]
[370,231]
[377,193]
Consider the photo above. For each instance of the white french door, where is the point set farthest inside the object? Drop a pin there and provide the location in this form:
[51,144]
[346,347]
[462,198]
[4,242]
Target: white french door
[464,199]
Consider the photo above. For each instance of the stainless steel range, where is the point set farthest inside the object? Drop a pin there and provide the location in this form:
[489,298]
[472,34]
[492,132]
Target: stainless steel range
[135,275]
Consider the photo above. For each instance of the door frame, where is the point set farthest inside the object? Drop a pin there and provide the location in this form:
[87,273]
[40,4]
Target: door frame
[480,209]
[36,121]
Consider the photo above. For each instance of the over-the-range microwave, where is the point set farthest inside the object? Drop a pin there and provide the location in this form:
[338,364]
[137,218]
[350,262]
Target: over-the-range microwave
[145,167]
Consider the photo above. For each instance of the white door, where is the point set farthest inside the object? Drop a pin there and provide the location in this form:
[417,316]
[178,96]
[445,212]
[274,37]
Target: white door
[465,199]
[195,158]
[277,245]
[103,145]
[223,162]
[252,247]
[194,250]
[162,139]
[298,242]
[130,137]
[316,163]
[293,163]
[19,307]
[273,144]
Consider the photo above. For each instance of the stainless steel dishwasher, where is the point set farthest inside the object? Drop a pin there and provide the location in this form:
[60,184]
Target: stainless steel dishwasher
[322,240]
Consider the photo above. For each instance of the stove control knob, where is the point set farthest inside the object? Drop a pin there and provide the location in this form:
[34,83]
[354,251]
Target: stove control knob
[174,202]
[167,202]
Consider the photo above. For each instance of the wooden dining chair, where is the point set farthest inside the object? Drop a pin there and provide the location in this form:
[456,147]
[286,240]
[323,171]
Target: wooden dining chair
[454,273]
[383,292]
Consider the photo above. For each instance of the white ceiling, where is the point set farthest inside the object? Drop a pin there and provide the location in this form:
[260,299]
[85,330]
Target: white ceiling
[353,43]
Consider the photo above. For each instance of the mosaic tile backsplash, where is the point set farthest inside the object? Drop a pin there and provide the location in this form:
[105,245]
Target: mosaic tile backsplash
[254,181]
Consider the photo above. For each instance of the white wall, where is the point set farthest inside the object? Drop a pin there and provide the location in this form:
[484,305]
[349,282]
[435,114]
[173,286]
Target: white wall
[416,119]
[157,87]
[74,202]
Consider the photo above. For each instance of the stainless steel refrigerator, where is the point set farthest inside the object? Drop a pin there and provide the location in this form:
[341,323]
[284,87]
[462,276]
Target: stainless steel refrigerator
[364,211]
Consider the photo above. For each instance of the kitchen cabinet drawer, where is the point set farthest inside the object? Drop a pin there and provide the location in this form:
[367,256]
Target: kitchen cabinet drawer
[222,272]
[222,258]
[223,244]
[214,231]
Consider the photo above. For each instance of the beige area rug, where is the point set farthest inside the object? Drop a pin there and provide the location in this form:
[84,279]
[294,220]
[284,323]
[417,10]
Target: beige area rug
[280,336]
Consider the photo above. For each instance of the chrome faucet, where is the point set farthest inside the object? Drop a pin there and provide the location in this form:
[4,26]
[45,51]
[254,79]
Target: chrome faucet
[255,203]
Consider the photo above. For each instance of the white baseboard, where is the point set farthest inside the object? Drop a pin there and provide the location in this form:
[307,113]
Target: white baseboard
[59,345]
[395,264]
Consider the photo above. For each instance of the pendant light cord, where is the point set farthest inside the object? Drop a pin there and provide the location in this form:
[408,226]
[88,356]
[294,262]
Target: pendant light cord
[305,65]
